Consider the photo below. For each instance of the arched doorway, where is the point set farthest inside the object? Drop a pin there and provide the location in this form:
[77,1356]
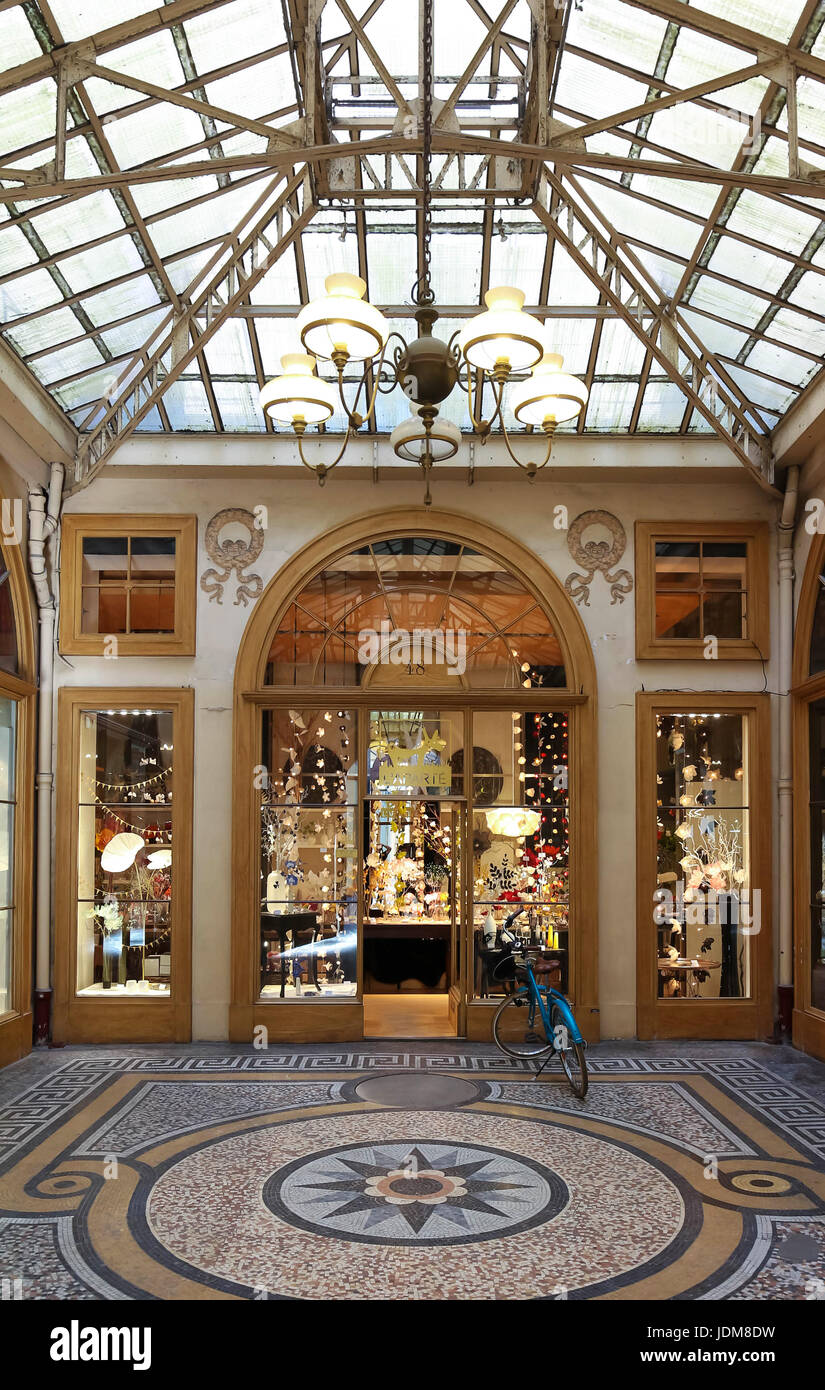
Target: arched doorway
[414,758]
[17,729]
[809,806]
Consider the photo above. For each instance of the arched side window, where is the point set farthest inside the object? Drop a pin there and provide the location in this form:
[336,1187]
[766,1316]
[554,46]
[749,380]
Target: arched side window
[9,659]
[416,605]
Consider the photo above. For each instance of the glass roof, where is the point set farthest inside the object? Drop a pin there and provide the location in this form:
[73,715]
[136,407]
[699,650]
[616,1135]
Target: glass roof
[89,274]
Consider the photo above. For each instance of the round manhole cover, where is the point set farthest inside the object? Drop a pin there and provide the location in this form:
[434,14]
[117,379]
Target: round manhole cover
[417,1091]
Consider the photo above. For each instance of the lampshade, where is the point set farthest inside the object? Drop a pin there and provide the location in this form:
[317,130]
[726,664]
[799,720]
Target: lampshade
[548,394]
[342,320]
[160,859]
[298,394]
[121,853]
[516,821]
[503,333]
[410,438]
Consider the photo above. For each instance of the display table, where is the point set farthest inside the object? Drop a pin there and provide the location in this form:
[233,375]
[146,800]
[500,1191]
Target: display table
[688,968]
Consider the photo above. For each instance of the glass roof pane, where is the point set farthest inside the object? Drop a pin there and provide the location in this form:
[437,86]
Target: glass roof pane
[762,392]
[258,90]
[664,272]
[648,223]
[776,361]
[810,292]
[663,407]
[611,405]
[88,388]
[156,197]
[78,18]
[763,16]
[280,284]
[238,406]
[629,36]
[621,353]
[392,261]
[519,259]
[456,267]
[589,89]
[573,339]
[153,58]
[568,284]
[44,331]
[245,27]
[719,337]
[36,290]
[71,224]
[67,360]
[107,262]
[325,253]
[228,351]
[756,216]
[128,337]
[275,337]
[748,264]
[698,133]
[183,270]
[15,252]
[17,41]
[739,306]
[187,405]
[799,331]
[697,58]
[146,135]
[120,300]
[27,114]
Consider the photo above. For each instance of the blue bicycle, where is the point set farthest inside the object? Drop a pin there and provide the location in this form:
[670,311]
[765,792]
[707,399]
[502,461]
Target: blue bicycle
[532,1021]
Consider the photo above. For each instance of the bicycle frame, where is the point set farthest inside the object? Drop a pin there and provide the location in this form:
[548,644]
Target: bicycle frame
[545,1000]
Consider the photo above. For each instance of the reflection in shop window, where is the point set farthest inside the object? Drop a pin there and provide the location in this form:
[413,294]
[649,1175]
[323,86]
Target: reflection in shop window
[8,724]
[125,853]
[308,914]
[705,914]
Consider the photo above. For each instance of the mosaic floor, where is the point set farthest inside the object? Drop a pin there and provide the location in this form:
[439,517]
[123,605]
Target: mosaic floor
[189,1173]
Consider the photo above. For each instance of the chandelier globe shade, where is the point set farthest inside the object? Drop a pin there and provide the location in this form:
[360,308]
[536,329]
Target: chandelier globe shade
[298,396]
[514,821]
[411,442]
[342,324]
[548,394]
[504,333]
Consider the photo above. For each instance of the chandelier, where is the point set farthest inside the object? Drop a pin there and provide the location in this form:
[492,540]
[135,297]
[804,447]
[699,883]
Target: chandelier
[500,346]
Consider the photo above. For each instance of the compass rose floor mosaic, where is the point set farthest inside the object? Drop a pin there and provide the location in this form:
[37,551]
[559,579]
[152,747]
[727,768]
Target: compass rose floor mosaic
[428,1172]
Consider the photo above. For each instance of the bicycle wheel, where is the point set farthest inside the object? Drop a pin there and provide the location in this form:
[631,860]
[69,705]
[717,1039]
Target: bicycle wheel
[572,1054]
[518,1028]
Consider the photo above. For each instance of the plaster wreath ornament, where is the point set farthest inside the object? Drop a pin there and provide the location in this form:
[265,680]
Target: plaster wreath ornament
[597,553]
[233,541]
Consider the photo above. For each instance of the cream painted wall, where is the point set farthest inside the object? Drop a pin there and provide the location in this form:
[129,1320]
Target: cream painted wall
[298,512]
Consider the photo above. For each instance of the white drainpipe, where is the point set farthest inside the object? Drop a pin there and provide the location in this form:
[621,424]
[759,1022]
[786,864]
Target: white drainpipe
[44,514]
[784,857]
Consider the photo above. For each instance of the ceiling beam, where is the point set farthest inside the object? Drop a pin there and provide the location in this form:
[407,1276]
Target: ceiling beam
[691,17]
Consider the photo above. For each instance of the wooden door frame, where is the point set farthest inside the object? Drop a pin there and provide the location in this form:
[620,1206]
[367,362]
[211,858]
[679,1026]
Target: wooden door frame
[16,1026]
[333,1020]
[120,1020]
[808,1023]
[712,1018]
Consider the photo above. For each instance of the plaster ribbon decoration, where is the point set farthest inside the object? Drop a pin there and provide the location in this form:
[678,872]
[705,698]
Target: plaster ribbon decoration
[233,542]
[597,554]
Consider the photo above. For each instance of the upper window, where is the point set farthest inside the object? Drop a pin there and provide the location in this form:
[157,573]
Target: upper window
[702,590]
[128,585]
[416,608]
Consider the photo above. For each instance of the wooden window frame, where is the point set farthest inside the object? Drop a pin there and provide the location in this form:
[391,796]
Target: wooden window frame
[100,1019]
[711,1018]
[76,527]
[756,534]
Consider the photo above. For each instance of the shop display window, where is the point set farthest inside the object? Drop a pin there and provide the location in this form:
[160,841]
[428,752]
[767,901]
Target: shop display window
[520,840]
[8,772]
[308,901]
[705,912]
[125,853]
[817,824]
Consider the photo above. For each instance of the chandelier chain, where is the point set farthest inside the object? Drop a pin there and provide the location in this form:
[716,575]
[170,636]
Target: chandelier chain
[423,292]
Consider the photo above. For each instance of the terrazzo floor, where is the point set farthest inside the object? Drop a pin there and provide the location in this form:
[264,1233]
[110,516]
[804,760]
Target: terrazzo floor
[364,1172]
